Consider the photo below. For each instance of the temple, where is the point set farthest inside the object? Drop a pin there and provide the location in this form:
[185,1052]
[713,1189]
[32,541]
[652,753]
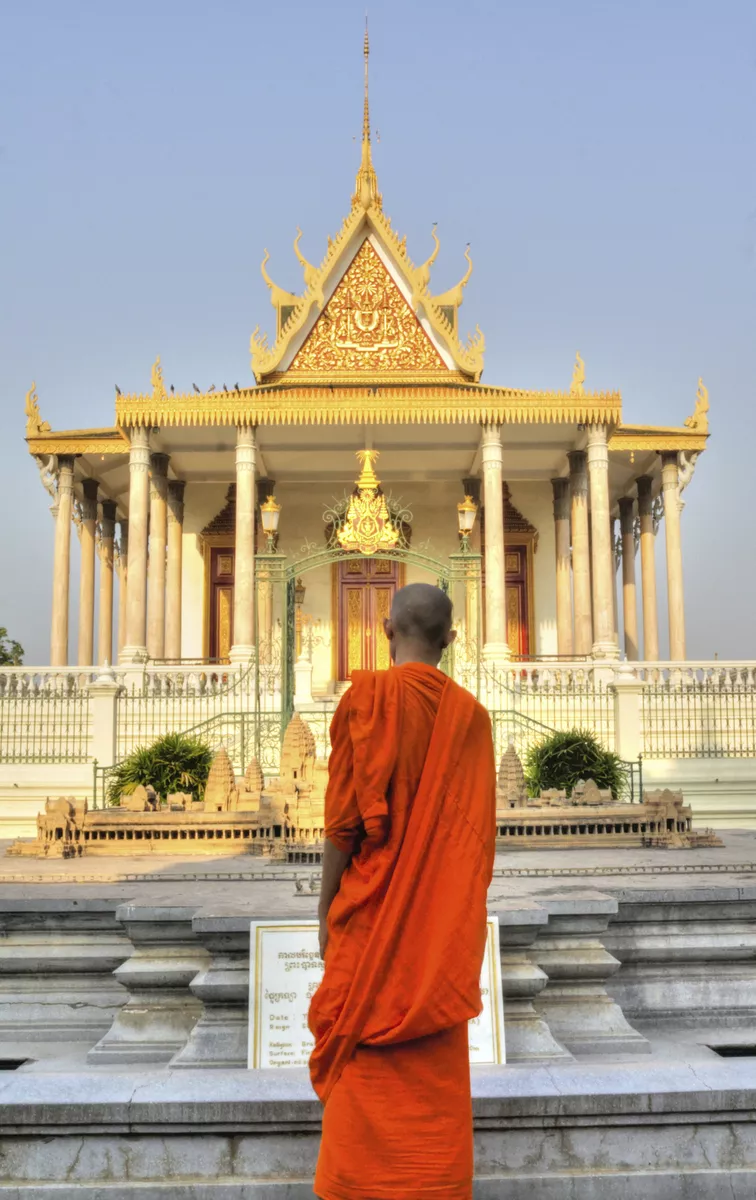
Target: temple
[274,519]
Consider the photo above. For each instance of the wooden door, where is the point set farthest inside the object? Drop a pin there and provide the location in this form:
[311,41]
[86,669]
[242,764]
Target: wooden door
[516,567]
[221,601]
[365,591]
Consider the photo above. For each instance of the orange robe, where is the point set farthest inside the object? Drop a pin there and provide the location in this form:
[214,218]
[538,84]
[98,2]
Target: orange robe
[411,795]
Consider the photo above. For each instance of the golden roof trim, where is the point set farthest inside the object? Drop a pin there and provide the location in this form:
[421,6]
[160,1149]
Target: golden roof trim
[283,404]
[656,437]
[79,441]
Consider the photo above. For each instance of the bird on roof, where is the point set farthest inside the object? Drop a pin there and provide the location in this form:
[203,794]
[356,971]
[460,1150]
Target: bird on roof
[118,390]
[211,388]
[172,389]
[225,389]
[236,387]
[194,385]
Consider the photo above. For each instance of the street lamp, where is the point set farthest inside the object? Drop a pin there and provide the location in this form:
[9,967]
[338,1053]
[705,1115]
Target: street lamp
[270,513]
[467,510]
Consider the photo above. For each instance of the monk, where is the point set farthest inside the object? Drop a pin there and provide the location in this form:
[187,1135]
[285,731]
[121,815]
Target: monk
[410,833]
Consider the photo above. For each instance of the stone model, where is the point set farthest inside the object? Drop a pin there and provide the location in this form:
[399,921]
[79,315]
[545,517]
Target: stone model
[221,794]
[590,816]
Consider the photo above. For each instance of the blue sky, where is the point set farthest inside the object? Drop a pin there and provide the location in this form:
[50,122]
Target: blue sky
[599,156]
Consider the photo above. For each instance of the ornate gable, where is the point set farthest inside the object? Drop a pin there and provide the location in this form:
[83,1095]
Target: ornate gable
[366,326]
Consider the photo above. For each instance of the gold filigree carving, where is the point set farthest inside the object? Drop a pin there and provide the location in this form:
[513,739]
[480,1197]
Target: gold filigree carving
[578,376]
[367,326]
[34,423]
[380,641]
[367,526]
[699,421]
[354,629]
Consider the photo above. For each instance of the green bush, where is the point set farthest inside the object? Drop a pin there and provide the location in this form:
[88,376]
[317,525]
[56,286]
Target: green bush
[563,759]
[174,763]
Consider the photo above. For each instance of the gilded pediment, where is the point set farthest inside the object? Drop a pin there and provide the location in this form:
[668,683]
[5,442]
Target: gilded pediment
[367,326]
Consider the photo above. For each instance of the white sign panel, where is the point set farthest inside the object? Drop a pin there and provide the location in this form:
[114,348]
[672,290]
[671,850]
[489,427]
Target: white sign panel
[286,970]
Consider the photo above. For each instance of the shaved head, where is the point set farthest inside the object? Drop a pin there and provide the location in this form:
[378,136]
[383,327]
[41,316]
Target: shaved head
[421,620]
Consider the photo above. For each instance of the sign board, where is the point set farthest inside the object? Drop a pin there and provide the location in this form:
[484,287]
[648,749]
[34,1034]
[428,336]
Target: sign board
[285,970]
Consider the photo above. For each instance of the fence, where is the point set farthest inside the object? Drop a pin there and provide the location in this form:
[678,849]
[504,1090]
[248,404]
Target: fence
[662,710]
[699,719]
[44,718]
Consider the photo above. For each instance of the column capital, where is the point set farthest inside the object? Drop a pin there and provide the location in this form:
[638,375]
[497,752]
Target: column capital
[176,499]
[644,484]
[492,452]
[627,514]
[670,463]
[139,448]
[89,503]
[561,493]
[107,523]
[598,447]
[159,464]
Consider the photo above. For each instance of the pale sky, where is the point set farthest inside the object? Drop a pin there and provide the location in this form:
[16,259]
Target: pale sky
[600,156]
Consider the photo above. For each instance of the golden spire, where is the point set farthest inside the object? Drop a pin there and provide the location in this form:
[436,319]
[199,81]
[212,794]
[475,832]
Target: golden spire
[366,194]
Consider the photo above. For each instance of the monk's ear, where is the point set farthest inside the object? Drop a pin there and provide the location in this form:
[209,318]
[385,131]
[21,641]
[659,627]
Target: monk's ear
[449,637]
[388,628]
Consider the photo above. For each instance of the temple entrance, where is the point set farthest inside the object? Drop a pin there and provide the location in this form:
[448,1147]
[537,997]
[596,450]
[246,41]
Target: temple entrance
[220,594]
[366,588]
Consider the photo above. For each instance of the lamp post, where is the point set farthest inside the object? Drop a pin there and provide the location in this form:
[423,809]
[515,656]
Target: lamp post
[270,513]
[467,511]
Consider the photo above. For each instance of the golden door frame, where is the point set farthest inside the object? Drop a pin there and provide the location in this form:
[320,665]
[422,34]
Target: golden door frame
[335,566]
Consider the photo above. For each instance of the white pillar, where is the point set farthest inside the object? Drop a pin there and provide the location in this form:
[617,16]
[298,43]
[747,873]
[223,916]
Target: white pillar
[62,563]
[244,558]
[648,569]
[105,623]
[602,566]
[496,648]
[629,598]
[123,577]
[671,490]
[581,558]
[156,573]
[174,568]
[87,573]
[561,489]
[135,649]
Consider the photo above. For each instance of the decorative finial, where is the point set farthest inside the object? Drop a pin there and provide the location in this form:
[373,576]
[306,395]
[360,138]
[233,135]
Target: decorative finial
[366,194]
[700,418]
[34,423]
[158,387]
[578,376]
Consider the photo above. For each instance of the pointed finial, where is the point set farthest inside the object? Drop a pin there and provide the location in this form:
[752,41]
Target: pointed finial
[366,194]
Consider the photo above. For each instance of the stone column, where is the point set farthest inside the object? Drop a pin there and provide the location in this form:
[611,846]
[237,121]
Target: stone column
[615,565]
[496,648]
[158,539]
[648,570]
[581,562]
[244,561]
[629,599]
[136,593]
[602,566]
[561,488]
[105,626]
[123,575]
[265,487]
[87,573]
[528,1039]
[671,490]
[62,563]
[175,561]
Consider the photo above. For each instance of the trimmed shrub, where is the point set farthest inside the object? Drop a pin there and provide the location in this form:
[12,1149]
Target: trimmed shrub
[567,756]
[174,763]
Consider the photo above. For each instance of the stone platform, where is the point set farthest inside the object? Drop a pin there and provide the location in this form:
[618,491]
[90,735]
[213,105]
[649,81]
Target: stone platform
[123,992]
